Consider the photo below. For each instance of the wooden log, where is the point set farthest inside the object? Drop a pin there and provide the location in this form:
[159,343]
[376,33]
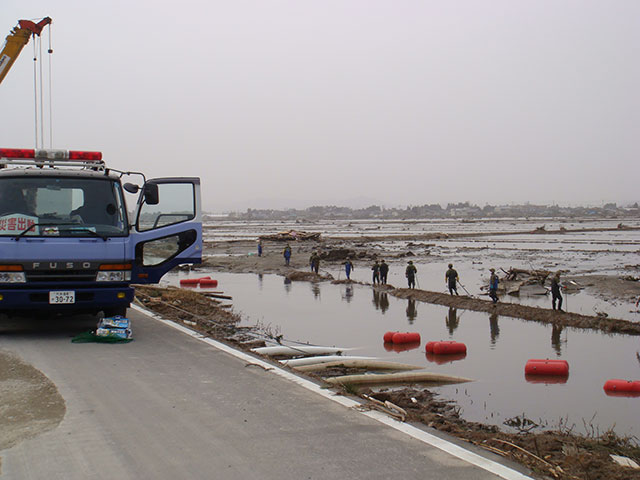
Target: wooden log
[371,365]
[402,377]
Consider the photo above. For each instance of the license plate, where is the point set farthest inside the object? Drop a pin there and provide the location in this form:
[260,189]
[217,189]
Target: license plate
[62,296]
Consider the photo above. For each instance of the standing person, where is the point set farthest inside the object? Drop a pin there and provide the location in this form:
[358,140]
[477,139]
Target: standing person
[555,292]
[493,285]
[451,279]
[376,272]
[315,262]
[287,254]
[259,248]
[384,270]
[410,273]
[348,267]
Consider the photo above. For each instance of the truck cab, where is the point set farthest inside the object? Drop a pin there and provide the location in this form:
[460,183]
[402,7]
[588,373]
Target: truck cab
[67,244]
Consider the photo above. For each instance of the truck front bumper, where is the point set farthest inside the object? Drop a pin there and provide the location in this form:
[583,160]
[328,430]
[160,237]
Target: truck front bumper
[87,299]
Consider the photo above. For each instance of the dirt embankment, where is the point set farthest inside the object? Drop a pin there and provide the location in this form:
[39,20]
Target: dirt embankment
[537,314]
[557,454]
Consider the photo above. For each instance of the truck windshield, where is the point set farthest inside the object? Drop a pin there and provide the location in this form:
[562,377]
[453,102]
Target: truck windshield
[61,207]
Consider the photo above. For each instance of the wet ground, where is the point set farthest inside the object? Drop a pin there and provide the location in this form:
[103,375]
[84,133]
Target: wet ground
[601,255]
[357,316]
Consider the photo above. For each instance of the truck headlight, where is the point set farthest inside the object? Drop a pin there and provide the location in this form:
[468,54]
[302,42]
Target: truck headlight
[114,276]
[12,277]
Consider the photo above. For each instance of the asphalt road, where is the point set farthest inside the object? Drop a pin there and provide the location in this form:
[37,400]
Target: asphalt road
[170,406]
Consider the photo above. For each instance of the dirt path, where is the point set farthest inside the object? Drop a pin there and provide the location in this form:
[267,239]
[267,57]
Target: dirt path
[30,403]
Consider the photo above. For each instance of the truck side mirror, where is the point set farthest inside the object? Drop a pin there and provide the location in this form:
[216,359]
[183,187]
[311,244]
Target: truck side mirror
[151,196]
[131,187]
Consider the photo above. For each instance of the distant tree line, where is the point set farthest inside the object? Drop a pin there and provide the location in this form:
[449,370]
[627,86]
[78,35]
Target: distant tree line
[452,210]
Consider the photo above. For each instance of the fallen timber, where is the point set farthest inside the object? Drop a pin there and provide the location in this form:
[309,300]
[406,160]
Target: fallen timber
[319,359]
[297,350]
[371,365]
[536,314]
[402,377]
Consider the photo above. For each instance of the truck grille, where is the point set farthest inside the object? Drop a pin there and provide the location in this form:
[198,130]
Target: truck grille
[61,276]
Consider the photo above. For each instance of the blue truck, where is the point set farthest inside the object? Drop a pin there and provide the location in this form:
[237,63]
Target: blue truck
[67,241]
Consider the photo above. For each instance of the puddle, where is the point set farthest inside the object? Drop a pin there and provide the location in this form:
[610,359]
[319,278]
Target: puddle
[497,349]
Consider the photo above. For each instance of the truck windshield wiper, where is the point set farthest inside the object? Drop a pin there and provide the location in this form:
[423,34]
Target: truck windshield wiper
[75,226]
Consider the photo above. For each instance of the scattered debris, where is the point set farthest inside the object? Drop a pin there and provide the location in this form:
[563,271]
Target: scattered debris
[291,235]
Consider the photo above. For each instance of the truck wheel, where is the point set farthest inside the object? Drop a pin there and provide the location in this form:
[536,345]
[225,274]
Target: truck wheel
[112,312]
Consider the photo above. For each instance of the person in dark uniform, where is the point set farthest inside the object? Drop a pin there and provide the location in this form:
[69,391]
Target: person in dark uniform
[376,272]
[555,292]
[384,270]
[315,262]
[451,279]
[410,273]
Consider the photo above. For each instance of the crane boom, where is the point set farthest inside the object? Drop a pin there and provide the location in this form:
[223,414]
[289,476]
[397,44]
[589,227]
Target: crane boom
[16,41]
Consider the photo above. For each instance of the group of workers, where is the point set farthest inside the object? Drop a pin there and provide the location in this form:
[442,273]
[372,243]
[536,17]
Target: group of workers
[380,271]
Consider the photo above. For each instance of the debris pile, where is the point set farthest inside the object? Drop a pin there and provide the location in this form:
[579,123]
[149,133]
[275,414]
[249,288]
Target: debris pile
[291,235]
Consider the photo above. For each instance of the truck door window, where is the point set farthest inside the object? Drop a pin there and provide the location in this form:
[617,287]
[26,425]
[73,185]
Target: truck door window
[154,252]
[176,204]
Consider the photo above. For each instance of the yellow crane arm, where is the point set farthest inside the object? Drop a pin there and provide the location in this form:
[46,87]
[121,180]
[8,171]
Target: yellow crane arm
[16,41]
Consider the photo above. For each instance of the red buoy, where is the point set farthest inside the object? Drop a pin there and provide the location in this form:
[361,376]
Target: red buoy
[207,282]
[189,281]
[626,386]
[388,337]
[448,348]
[546,367]
[409,337]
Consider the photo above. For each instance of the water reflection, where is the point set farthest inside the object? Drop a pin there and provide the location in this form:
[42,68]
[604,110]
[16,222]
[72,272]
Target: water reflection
[348,293]
[494,329]
[287,285]
[452,320]
[380,300]
[260,279]
[556,338]
[315,289]
[384,302]
[412,311]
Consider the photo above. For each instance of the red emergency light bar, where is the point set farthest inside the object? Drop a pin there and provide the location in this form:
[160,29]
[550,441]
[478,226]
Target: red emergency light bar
[51,154]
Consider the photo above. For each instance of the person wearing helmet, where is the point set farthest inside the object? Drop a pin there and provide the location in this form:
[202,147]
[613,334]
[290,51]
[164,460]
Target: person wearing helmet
[410,273]
[451,279]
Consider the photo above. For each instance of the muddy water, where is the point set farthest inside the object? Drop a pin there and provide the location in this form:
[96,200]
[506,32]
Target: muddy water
[498,348]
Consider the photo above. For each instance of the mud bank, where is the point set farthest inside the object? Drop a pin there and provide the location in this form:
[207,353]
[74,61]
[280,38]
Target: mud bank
[542,315]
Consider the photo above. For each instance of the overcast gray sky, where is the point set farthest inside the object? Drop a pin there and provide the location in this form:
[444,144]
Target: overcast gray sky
[350,102]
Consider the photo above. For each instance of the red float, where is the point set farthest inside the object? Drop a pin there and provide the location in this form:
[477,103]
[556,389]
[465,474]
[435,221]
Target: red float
[616,385]
[547,367]
[207,282]
[189,281]
[388,337]
[409,337]
[449,348]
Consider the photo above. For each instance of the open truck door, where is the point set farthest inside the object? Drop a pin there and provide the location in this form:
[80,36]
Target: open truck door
[168,227]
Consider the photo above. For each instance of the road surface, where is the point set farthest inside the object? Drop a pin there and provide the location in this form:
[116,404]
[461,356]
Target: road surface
[170,406]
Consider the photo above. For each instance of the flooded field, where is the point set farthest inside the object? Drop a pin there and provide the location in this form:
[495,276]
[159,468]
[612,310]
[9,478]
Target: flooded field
[357,316]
